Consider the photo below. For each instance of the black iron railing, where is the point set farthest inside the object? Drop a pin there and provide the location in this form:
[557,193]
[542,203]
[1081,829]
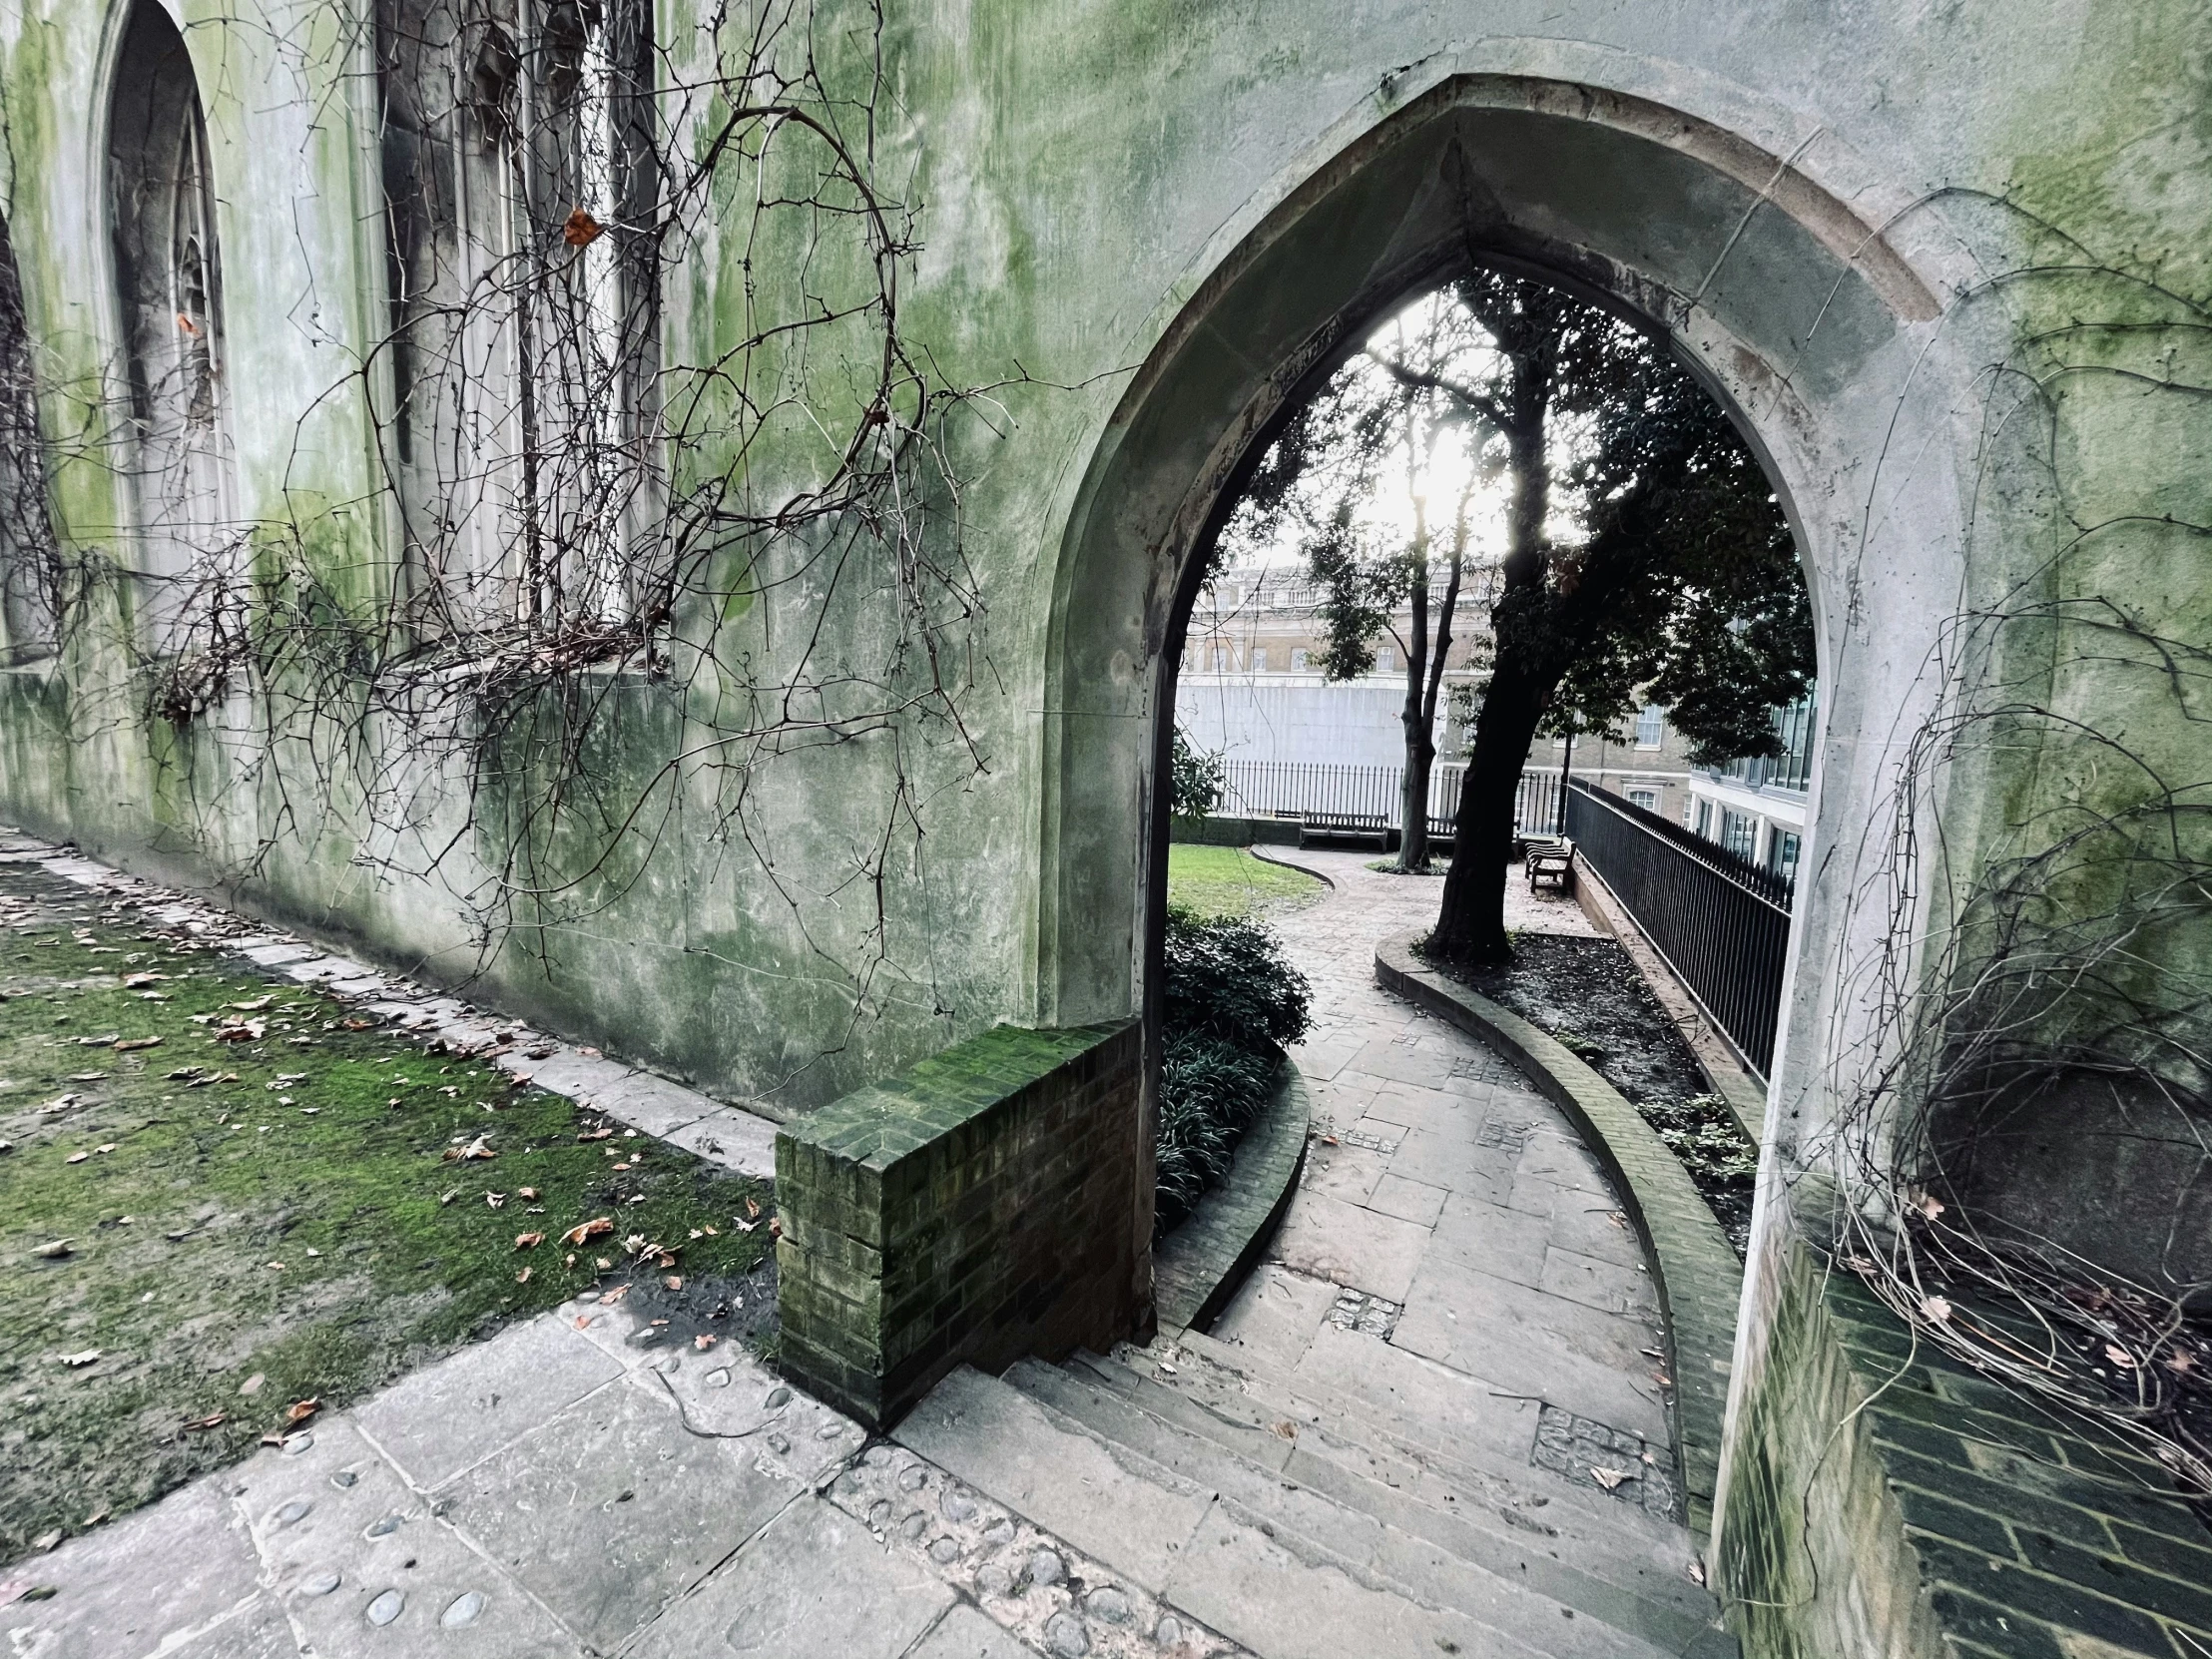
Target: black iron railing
[1370,799]
[1721,922]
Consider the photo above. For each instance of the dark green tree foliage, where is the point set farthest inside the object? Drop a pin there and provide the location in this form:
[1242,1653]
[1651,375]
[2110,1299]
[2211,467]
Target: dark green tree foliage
[1231,1000]
[1682,587]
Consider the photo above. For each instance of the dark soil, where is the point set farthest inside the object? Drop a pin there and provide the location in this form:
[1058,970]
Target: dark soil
[1588,996]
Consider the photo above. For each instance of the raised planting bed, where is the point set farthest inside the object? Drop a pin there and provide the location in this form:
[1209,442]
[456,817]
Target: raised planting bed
[1587,995]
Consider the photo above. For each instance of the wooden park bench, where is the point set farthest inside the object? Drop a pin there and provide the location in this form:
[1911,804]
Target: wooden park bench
[1550,866]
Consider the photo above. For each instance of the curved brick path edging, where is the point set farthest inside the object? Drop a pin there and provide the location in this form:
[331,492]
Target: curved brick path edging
[1196,1268]
[1696,1275]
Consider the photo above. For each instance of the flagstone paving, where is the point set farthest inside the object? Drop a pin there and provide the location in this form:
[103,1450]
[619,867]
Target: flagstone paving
[1433,1422]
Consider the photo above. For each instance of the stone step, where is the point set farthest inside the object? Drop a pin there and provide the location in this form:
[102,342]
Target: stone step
[1294,1483]
[1400,1451]
[1285,1572]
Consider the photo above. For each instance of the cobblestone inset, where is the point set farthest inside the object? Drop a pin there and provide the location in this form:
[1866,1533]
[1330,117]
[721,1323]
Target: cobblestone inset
[1055,1598]
[1361,1139]
[1486,1068]
[1589,1453]
[1370,1315]
[1504,1133]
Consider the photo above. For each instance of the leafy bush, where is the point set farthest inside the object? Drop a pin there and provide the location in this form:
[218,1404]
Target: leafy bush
[1197,779]
[1227,977]
[1210,1091]
[1231,1000]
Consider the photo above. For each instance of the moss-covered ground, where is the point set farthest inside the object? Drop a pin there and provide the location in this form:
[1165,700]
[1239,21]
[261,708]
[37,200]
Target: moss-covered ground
[1231,881]
[223,1197]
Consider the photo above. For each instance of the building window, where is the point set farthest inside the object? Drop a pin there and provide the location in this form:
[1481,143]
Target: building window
[1385,659]
[1782,854]
[1739,833]
[1299,660]
[1220,659]
[1259,659]
[29,558]
[519,177]
[1651,727]
[1648,800]
[169,279]
[1704,825]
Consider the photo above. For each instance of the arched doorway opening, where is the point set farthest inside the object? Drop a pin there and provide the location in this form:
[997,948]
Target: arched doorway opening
[1784,302]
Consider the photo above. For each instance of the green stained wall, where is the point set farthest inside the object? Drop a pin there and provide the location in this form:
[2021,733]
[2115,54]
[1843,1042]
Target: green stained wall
[1088,181]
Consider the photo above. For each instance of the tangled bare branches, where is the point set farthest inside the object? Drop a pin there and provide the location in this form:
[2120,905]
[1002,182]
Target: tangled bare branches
[661,496]
[2025,1136]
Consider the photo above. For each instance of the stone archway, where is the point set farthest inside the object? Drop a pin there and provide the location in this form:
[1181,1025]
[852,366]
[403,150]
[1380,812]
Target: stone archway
[1818,335]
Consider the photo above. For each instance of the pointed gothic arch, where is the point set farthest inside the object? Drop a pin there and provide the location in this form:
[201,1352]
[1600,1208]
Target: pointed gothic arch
[169,291]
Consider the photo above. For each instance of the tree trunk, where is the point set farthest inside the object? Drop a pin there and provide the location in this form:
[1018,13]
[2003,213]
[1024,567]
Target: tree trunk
[1471,925]
[1420,750]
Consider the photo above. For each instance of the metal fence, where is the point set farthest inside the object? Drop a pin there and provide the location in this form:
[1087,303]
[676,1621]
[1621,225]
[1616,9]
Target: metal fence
[1369,799]
[1721,922]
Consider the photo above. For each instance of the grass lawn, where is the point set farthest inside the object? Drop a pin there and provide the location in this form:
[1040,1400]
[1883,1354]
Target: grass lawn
[222,1196]
[1230,882]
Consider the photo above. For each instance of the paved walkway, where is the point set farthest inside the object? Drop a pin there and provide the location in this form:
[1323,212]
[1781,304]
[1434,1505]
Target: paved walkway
[1430,1425]
[1452,1247]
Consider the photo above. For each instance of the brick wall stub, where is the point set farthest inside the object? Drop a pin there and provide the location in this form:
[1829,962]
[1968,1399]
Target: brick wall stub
[1883,1498]
[974,1209]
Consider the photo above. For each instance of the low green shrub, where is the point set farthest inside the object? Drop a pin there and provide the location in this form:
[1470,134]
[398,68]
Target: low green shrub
[1230,1003]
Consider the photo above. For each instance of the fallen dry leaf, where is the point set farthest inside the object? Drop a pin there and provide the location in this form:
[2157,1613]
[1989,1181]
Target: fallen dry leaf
[589,1053]
[76,1157]
[2119,1356]
[528,1241]
[529,1193]
[299,1411]
[523,1277]
[673,1281]
[1284,1431]
[1934,1307]
[208,1422]
[600,1134]
[78,1361]
[580,230]
[257,1003]
[495,1200]
[596,1228]
[476,1150]
[753,1209]
[1697,1571]
[53,1252]
[704,1342]
[138,981]
[245,1031]
[1610,1478]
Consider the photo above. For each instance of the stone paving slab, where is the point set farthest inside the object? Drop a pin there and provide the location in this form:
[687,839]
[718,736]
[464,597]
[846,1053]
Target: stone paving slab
[459,1412]
[816,1584]
[362,1565]
[1069,1483]
[146,1584]
[613,1509]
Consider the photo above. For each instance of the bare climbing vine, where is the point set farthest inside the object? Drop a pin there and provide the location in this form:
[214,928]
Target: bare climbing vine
[2041,891]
